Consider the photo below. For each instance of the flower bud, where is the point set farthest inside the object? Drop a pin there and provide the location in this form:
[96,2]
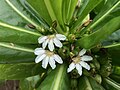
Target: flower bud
[98,78]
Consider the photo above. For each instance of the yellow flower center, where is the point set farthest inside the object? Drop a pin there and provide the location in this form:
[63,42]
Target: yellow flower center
[76,59]
[49,54]
[51,36]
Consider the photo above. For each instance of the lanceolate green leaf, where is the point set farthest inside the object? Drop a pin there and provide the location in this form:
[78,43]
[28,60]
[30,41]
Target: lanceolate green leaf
[8,15]
[86,10]
[29,83]
[34,14]
[112,41]
[56,80]
[110,84]
[17,7]
[19,71]
[109,11]
[68,9]
[88,83]
[114,52]
[53,6]
[40,7]
[97,36]
[16,34]
[12,53]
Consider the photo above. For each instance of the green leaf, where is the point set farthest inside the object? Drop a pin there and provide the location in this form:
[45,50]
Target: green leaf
[109,11]
[114,52]
[8,15]
[96,37]
[12,53]
[88,6]
[115,77]
[40,7]
[56,80]
[88,83]
[34,14]
[29,83]
[19,71]
[116,70]
[113,40]
[16,34]
[68,10]
[99,7]
[20,10]
[110,84]
[53,7]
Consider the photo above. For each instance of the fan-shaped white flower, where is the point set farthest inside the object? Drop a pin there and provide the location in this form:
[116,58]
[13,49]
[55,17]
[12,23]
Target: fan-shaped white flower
[51,40]
[47,57]
[79,62]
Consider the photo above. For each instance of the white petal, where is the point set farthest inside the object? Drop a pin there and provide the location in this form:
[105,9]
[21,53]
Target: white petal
[52,63]
[40,58]
[45,43]
[60,36]
[86,58]
[45,62]
[51,45]
[42,39]
[79,68]
[85,65]
[57,43]
[82,52]
[71,67]
[39,51]
[58,58]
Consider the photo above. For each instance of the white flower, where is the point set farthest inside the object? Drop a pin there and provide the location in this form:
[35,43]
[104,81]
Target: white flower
[47,57]
[51,40]
[79,62]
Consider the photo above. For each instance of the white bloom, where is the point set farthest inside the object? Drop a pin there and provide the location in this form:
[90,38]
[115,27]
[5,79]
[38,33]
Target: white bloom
[79,62]
[47,57]
[51,40]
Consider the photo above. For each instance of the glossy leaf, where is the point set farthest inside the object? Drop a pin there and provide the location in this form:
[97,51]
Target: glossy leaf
[93,39]
[110,84]
[29,83]
[53,7]
[56,80]
[114,52]
[17,7]
[68,10]
[109,11]
[40,7]
[112,40]
[19,71]
[16,34]
[85,10]
[34,14]
[12,53]
[88,83]
[11,18]
[116,70]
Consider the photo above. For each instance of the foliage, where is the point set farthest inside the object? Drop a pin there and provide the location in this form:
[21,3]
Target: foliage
[90,24]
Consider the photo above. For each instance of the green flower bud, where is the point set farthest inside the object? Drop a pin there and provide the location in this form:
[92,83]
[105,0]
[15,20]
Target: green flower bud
[106,69]
[98,78]
[96,64]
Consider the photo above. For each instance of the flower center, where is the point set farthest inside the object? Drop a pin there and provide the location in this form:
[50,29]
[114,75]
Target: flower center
[76,59]
[49,54]
[51,36]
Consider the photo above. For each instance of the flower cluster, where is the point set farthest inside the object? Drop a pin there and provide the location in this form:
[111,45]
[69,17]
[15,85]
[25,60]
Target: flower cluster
[49,57]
